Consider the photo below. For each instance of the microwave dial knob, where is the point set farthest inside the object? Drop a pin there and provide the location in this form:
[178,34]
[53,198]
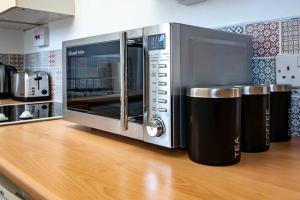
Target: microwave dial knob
[155,127]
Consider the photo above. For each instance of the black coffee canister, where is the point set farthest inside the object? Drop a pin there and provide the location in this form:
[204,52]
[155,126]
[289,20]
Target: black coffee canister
[255,134]
[280,107]
[214,125]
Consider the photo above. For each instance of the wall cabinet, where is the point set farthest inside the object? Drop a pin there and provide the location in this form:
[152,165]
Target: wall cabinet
[26,14]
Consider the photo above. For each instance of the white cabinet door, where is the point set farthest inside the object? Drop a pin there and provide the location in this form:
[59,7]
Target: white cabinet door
[66,7]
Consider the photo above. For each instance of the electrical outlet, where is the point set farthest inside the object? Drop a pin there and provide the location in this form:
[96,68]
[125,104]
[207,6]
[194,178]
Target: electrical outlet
[288,69]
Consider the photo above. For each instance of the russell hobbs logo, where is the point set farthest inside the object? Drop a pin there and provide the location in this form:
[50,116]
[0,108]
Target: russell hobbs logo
[77,52]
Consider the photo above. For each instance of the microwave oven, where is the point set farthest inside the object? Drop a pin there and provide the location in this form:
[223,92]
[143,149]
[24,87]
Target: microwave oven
[132,83]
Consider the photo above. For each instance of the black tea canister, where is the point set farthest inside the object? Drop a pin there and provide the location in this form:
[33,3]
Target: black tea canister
[280,106]
[214,125]
[255,133]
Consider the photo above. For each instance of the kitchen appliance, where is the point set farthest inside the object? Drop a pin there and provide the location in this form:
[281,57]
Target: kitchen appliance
[38,112]
[5,80]
[280,110]
[32,86]
[214,125]
[132,83]
[255,136]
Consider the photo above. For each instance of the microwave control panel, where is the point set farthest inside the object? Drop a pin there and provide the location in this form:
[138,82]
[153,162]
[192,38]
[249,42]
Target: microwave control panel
[159,102]
[158,125]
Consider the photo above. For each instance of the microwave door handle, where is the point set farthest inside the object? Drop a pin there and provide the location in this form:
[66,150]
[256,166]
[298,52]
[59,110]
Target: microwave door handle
[123,77]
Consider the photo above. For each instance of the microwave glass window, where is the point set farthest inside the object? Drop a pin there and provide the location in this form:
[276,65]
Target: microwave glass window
[93,79]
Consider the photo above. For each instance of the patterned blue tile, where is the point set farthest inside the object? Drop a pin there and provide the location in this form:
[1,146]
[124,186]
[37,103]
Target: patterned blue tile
[233,29]
[290,36]
[295,113]
[263,71]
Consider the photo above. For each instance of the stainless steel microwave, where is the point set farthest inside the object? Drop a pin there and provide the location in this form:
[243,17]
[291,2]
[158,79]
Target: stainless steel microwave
[132,83]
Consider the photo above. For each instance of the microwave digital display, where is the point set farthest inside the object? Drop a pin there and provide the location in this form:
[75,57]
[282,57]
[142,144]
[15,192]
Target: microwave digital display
[157,42]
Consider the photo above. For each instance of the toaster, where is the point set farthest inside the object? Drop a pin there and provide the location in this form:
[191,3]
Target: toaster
[32,86]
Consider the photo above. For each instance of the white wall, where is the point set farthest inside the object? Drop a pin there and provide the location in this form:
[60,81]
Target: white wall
[11,41]
[94,17]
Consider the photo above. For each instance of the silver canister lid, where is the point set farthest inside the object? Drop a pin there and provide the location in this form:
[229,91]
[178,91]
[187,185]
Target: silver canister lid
[254,89]
[214,92]
[281,88]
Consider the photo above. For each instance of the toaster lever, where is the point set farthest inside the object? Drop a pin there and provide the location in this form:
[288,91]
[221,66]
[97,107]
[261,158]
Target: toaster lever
[38,78]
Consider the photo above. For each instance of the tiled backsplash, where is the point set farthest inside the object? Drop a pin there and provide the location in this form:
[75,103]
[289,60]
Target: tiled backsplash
[268,40]
[16,60]
[290,33]
[263,70]
[51,62]
[265,38]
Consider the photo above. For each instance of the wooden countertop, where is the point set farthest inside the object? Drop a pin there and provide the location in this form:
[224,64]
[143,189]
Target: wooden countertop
[60,160]
[10,102]
[4,102]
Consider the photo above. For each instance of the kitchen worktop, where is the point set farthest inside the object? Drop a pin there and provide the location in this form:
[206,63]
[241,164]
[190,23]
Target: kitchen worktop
[4,102]
[60,160]
[9,102]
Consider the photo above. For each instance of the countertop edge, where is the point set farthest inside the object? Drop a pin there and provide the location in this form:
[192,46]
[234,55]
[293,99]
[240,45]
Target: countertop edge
[24,182]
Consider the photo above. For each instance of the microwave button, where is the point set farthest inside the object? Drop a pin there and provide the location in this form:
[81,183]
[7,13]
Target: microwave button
[162,74]
[162,109]
[162,83]
[162,66]
[163,92]
[162,101]
[44,92]
[154,100]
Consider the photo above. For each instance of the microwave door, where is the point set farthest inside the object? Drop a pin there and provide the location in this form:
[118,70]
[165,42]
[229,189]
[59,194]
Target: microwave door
[131,73]
[104,82]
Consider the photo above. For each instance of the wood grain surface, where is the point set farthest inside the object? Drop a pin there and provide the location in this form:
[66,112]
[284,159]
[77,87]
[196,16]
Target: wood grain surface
[4,102]
[60,160]
[10,101]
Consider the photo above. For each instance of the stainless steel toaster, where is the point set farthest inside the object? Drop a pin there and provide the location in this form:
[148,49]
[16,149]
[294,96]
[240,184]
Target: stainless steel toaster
[32,86]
